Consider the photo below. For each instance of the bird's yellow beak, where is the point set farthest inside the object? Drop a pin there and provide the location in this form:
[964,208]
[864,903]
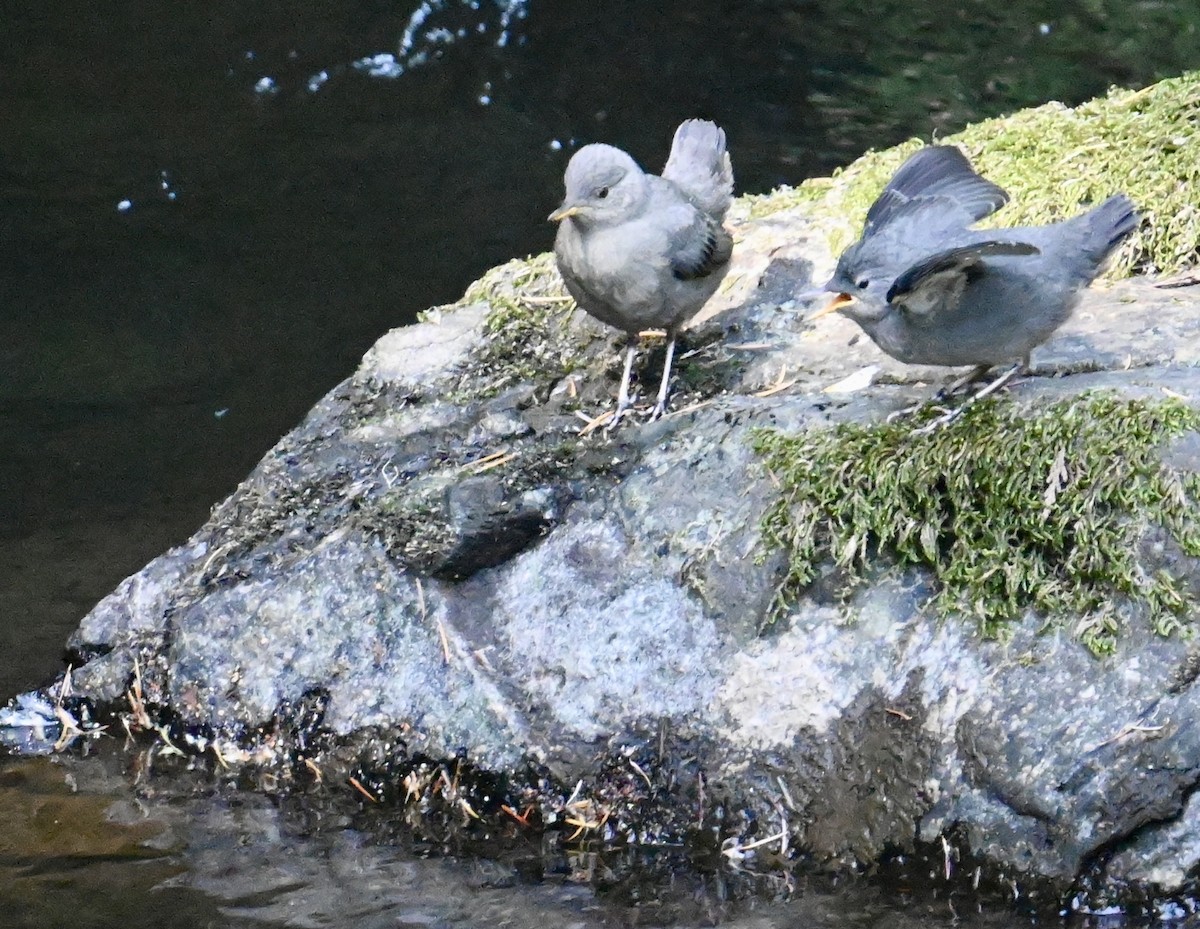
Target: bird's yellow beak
[562,213]
[838,301]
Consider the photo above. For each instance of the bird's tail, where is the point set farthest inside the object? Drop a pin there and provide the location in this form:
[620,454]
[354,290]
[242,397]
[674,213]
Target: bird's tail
[1106,226]
[700,165]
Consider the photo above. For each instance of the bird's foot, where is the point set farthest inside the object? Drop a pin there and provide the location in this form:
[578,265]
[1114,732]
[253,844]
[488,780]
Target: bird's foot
[617,415]
[944,420]
[658,412]
[905,412]
[949,416]
[942,396]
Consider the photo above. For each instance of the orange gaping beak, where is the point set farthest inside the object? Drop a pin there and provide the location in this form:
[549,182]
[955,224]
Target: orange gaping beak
[838,301]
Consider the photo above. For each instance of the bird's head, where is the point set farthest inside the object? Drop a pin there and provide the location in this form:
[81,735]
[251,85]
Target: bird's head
[604,186]
[858,288]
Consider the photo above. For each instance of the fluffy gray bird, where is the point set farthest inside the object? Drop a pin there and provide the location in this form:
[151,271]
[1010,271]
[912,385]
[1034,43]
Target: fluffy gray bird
[638,251]
[929,289]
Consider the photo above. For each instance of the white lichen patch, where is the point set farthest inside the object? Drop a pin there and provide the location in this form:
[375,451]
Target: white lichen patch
[603,641]
[413,356]
[806,678]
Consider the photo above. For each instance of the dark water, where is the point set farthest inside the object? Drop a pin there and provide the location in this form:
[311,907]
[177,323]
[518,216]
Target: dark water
[99,843]
[208,212]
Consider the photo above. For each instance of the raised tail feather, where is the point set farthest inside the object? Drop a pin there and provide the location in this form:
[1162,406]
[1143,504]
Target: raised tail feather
[700,165]
[1108,225]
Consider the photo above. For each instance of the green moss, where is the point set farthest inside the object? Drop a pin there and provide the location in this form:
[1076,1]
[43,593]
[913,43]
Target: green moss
[412,522]
[526,326]
[812,191]
[1008,508]
[1055,161]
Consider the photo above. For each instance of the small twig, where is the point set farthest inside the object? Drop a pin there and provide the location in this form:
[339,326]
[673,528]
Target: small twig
[522,818]
[65,688]
[787,795]
[749,346]
[1187,279]
[487,462]
[778,388]
[1129,729]
[638,768]
[736,850]
[690,408]
[779,385]
[445,640]
[497,463]
[421,599]
[783,828]
[594,424]
[362,790]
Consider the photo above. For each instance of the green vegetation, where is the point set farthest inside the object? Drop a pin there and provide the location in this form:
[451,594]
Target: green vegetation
[526,325]
[1055,161]
[1009,508]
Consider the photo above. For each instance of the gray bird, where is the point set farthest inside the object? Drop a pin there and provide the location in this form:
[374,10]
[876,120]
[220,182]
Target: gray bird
[640,252]
[929,289]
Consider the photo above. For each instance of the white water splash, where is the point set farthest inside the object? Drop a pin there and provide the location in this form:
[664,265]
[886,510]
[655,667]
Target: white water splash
[436,25]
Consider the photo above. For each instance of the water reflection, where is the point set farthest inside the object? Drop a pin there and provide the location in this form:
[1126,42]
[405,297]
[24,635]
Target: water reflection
[88,845]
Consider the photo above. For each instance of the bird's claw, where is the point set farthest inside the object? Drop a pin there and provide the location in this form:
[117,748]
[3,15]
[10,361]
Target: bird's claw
[902,413]
[947,417]
[617,415]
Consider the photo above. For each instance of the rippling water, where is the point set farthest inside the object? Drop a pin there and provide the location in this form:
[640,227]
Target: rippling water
[101,843]
[209,211]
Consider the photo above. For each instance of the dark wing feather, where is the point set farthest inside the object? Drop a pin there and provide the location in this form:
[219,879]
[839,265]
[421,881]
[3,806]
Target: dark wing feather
[937,171]
[702,249]
[948,270]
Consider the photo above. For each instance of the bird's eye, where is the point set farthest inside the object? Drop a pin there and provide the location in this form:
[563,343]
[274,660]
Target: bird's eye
[601,193]
[863,284]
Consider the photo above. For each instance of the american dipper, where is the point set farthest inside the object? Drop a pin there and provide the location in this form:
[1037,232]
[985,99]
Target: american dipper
[929,289]
[638,251]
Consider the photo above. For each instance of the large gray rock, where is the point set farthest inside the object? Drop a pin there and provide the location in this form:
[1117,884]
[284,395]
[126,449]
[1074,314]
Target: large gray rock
[437,549]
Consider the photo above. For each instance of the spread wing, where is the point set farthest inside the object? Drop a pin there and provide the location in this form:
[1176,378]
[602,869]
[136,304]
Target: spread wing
[936,172]
[700,249]
[937,282]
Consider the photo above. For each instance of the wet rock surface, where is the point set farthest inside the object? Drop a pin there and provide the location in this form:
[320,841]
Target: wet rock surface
[463,562]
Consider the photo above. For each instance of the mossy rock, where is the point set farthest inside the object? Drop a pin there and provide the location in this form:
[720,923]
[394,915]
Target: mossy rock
[528,337]
[1055,161]
[1010,509]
